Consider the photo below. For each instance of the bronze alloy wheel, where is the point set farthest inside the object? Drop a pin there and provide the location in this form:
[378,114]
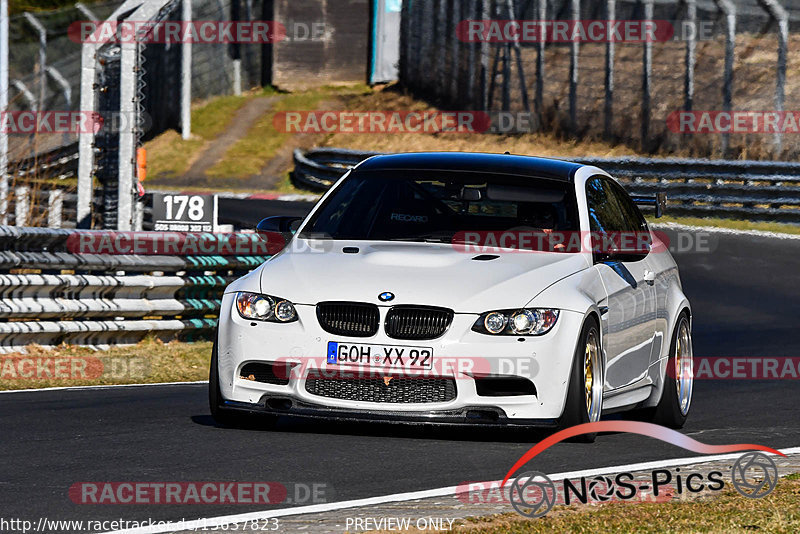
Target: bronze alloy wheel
[593,377]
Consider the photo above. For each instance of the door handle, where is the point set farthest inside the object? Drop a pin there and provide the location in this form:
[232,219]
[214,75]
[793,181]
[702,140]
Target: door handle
[649,277]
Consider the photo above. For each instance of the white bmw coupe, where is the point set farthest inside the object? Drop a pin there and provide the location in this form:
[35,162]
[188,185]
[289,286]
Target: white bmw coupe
[486,289]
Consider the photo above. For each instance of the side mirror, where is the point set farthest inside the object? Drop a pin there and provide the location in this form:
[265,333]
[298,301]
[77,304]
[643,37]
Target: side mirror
[280,224]
[624,255]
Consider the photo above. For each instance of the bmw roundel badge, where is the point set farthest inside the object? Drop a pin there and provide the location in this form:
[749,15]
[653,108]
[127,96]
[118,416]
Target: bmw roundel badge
[386,296]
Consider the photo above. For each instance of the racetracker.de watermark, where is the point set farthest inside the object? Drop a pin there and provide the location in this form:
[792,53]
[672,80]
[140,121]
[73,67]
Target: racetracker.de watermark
[198,492]
[385,122]
[741,368]
[78,368]
[175,243]
[70,122]
[585,31]
[374,362]
[733,122]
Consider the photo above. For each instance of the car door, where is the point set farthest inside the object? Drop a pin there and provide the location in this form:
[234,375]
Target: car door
[629,324]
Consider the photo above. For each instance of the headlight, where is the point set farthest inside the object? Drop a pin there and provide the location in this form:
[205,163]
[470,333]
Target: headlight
[257,307]
[525,322]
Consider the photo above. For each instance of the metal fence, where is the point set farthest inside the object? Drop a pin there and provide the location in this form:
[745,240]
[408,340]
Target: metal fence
[45,67]
[50,295]
[754,190]
[736,58]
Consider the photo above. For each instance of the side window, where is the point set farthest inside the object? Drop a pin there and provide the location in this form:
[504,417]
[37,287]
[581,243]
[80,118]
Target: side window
[605,214]
[634,220]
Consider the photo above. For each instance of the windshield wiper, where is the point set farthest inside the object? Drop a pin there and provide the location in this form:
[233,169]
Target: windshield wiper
[421,239]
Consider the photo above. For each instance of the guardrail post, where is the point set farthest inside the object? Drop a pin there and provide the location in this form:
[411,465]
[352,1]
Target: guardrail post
[575,6]
[647,70]
[608,108]
[55,207]
[21,205]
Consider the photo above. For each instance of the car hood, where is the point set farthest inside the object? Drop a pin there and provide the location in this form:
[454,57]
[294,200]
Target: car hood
[417,273]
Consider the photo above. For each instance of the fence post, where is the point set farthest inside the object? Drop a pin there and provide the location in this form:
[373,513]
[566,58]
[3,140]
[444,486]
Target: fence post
[66,90]
[455,49]
[575,8]
[647,69]
[484,71]
[186,74]
[691,48]
[541,6]
[729,10]
[86,138]
[608,108]
[441,53]
[86,12]
[419,43]
[523,89]
[34,22]
[55,207]
[21,205]
[127,136]
[3,107]
[779,15]
[472,77]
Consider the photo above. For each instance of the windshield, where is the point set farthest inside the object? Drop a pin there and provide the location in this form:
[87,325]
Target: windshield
[408,205]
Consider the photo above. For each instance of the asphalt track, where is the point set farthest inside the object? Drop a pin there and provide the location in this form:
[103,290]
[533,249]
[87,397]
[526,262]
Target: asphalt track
[744,292]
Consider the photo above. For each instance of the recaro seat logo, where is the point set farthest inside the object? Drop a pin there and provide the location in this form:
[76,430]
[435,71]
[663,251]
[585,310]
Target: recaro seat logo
[754,474]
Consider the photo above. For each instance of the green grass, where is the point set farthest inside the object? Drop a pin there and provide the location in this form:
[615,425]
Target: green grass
[169,155]
[250,154]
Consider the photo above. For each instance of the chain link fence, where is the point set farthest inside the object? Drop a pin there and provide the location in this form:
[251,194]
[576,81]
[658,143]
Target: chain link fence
[45,63]
[722,55]
[45,75]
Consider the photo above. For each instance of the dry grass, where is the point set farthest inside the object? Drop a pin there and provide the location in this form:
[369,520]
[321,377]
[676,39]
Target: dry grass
[393,99]
[147,362]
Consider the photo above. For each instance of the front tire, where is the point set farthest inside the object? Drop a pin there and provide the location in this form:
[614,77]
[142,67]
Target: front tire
[584,402]
[676,396]
[220,415]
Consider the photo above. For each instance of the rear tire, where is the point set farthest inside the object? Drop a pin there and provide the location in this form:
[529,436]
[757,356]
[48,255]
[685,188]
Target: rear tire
[676,396]
[584,402]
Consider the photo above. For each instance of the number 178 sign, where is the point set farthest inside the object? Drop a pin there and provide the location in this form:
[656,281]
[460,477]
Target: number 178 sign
[184,213]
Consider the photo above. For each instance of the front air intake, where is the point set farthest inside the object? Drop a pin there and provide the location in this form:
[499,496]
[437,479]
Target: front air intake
[353,319]
[417,322]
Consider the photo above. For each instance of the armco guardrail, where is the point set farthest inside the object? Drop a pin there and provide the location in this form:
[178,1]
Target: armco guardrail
[757,190]
[52,293]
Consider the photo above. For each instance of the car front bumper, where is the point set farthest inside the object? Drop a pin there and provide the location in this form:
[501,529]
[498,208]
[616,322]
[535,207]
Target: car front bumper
[544,360]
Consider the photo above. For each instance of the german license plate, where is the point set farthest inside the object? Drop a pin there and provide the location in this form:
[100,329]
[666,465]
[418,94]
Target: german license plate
[386,356]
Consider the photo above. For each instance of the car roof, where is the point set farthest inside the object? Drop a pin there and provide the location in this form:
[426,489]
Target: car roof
[554,169]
